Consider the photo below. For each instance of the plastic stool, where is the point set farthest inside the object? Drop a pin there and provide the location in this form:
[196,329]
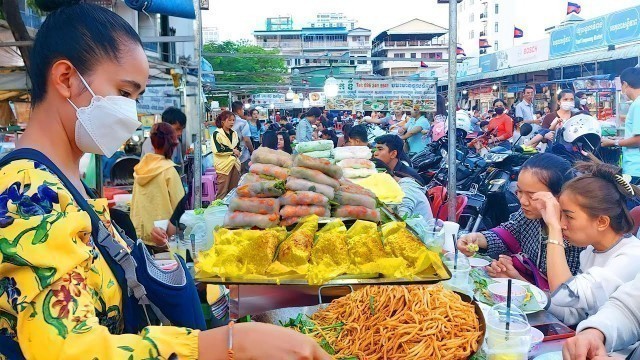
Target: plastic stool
[209,187]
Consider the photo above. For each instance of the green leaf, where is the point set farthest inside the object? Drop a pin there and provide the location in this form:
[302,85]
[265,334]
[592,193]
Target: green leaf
[130,357]
[52,320]
[42,233]
[110,284]
[371,305]
[126,348]
[82,328]
[324,344]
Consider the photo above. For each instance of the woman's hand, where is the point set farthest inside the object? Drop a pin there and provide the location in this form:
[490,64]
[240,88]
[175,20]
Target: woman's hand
[503,268]
[470,244]
[236,153]
[159,236]
[549,208]
[260,341]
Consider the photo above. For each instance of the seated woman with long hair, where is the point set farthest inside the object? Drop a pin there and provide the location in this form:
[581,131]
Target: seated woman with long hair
[277,141]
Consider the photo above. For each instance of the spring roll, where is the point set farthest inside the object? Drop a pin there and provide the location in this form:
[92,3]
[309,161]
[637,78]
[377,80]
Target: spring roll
[350,173]
[351,188]
[352,152]
[264,155]
[263,189]
[255,205]
[289,221]
[239,219]
[311,146]
[269,170]
[357,212]
[250,178]
[303,198]
[356,164]
[296,184]
[344,198]
[289,211]
[315,176]
[322,165]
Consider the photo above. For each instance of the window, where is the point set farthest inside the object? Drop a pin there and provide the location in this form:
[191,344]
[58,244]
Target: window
[400,56]
[413,55]
[423,55]
[495,46]
[471,17]
[496,27]
[497,8]
[472,34]
[362,62]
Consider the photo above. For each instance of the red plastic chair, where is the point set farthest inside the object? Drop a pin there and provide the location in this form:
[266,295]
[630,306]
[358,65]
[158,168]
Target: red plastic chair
[437,196]
[442,213]
[635,215]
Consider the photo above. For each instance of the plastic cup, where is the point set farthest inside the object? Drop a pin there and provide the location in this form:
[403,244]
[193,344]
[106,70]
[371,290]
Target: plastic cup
[162,224]
[434,240]
[460,272]
[507,344]
[450,230]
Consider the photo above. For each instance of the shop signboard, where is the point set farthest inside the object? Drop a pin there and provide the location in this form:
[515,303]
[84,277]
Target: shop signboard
[615,28]
[489,63]
[383,89]
[262,99]
[384,105]
[527,54]
[156,99]
[317,99]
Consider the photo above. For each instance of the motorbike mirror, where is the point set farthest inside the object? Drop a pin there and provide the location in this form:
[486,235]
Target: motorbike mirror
[525,129]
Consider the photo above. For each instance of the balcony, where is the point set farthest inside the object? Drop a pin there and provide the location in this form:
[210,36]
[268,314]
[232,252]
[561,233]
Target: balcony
[324,44]
[410,44]
[359,45]
[285,45]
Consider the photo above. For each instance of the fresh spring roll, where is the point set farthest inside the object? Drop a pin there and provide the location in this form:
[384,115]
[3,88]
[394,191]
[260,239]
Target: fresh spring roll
[311,146]
[263,189]
[264,155]
[255,205]
[357,212]
[322,165]
[250,178]
[289,221]
[269,170]
[344,198]
[303,198]
[315,176]
[351,188]
[358,173]
[296,184]
[356,164]
[239,219]
[324,154]
[289,211]
[352,152]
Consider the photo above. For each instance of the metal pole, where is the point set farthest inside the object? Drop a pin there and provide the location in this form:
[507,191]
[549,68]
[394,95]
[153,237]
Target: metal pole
[197,146]
[453,45]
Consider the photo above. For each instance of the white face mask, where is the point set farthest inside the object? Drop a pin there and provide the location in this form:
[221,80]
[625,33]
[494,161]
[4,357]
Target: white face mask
[567,105]
[105,124]
[583,102]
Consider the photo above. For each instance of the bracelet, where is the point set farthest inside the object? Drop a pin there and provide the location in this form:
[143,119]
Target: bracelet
[556,242]
[230,352]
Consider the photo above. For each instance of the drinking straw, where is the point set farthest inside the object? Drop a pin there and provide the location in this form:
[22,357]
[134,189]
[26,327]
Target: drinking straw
[455,257]
[508,308]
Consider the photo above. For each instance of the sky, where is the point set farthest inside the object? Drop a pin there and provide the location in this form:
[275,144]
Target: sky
[236,21]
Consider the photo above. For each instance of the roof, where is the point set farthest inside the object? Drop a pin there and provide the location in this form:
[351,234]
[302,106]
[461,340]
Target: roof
[360,30]
[417,26]
[595,56]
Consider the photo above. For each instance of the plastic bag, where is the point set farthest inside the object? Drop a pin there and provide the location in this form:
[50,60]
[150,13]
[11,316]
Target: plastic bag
[403,244]
[190,219]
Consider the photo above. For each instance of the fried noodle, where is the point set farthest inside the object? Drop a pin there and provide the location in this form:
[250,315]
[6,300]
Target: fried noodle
[400,322]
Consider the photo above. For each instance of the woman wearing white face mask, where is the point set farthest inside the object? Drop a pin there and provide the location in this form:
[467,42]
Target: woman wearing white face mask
[554,120]
[60,282]
[581,103]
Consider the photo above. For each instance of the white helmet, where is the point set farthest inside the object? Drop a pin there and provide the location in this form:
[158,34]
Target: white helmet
[463,121]
[584,126]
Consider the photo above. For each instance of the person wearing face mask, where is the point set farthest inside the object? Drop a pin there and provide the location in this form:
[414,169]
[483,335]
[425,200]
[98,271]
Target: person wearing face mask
[501,126]
[554,120]
[591,212]
[581,103]
[63,288]
[630,144]
[526,228]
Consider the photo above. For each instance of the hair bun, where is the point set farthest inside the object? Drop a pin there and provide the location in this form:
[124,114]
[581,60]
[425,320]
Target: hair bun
[53,5]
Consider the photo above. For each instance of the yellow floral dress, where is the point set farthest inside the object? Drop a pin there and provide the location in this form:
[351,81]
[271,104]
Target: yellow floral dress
[58,297]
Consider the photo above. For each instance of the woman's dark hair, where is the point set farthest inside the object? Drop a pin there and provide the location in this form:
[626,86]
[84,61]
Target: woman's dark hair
[222,117]
[84,34]
[287,142]
[359,132]
[564,92]
[163,137]
[270,139]
[258,122]
[551,170]
[332,135]
[441,105]
[602,191]
[346,129]
[499,100]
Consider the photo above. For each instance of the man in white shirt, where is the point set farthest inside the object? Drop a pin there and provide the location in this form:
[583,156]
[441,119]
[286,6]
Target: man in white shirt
[525,113]
[241,127]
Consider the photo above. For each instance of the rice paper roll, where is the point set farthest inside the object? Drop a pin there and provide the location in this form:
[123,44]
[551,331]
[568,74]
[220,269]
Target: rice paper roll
[352,188]
[315,176]
[240,219]
[290,211]
[312,146]
[344,198]
[296,184]
[263,189]
[262,206]
[250,178]
[352,152]
[286,222]
[357,212]
[324,154]
[303,198]
[269,170]
[264,155]
[321,165]
[358,173]
[356,164]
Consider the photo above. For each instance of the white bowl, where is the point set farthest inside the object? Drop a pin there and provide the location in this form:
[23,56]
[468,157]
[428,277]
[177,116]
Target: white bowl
[498,293]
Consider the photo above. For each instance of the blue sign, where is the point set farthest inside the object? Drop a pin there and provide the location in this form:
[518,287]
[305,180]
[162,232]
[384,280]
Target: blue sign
[489,63]
[615,28]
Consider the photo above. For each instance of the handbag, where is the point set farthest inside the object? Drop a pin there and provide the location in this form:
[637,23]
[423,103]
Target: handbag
[151,295]
[521,262]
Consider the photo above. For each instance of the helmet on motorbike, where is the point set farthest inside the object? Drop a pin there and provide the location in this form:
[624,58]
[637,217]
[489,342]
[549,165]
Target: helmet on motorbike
[582,128]
[463,121]
[438,131]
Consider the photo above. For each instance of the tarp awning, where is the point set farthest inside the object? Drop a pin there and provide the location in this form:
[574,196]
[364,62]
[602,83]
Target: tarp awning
[596,56]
